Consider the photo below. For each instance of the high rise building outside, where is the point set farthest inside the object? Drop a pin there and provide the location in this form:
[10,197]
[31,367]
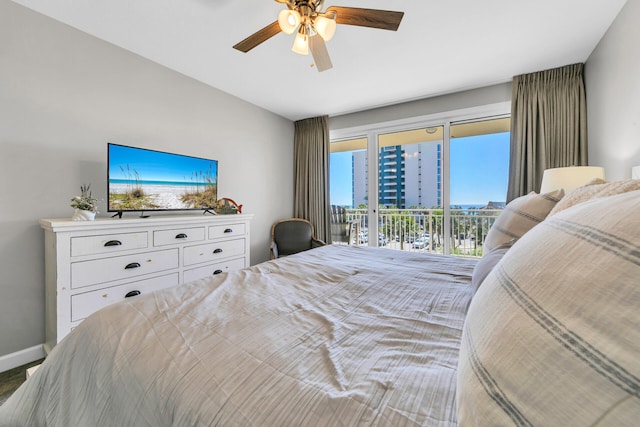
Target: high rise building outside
[409,176]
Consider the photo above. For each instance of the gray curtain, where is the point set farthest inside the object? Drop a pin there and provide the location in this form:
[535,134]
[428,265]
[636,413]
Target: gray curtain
[548,126]
[311,188]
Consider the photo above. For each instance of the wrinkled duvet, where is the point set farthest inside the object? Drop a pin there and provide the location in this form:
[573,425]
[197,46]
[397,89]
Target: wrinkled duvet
[335,336]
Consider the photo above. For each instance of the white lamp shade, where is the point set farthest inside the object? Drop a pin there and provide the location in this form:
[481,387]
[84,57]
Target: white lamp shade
[288,20]
[301,44]
[635,172]
[326,27]
[569,178]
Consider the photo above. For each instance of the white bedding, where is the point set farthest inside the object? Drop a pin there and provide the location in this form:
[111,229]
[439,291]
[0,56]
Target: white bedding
[335,336]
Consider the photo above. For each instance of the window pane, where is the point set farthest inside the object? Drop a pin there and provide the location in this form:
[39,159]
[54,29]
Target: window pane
[410,168]
[410,189]
[479,165]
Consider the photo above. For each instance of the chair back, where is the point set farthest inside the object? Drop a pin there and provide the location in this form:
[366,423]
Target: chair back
[292,235]
[343,230]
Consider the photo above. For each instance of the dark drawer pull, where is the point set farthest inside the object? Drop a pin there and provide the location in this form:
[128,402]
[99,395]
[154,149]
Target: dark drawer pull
[181,236]
[217,251]
[217,272]
[113,243]
[228,230]
[132,294]
[132,265]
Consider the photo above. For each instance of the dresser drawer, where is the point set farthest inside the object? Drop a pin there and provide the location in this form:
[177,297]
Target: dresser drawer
[213,269]
[230,230]
[86,273]
[107,243]
[82,305]
[213,251]
[178,235]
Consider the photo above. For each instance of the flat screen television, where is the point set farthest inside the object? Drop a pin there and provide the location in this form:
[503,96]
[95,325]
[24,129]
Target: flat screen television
[143,180]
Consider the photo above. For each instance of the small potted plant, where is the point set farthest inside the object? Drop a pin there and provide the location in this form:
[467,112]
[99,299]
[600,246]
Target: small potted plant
[85,205]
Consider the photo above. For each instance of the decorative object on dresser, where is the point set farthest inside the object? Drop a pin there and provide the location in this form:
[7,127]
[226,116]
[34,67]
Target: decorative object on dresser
[226,206]
[91,265]
[85,205]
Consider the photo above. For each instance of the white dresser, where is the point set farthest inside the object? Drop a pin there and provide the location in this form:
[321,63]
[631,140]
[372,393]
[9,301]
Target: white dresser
[91,264]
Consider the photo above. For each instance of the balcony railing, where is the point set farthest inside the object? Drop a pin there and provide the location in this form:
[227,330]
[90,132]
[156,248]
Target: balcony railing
[423,230]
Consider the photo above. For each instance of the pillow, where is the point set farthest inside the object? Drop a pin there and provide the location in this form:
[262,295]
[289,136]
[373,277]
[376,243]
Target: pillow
[487,262]
[551,338]
[520,216]
[596,188]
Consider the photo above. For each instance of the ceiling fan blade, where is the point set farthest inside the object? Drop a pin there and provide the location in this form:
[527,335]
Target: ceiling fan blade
[258,37]
[373,18]
[320,54]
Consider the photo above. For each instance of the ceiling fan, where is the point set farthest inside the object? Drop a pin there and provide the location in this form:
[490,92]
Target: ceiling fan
[314,27]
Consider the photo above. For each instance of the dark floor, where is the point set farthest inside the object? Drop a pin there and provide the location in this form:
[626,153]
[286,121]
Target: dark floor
[12,379]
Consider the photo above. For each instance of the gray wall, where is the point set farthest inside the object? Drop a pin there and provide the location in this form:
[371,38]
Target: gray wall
[613,96]
[63,96]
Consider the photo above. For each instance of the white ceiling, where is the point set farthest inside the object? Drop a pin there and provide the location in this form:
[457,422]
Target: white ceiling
[442,46]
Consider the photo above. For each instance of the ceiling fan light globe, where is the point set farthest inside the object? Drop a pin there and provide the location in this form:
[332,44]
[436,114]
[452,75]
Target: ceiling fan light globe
[326,27]
[301,44]
[288,20]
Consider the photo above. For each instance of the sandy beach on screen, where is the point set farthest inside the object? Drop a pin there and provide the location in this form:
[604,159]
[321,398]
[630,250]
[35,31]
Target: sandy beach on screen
[166,196]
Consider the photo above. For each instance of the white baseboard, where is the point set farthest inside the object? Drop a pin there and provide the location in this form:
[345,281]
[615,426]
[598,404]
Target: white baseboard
[22,357]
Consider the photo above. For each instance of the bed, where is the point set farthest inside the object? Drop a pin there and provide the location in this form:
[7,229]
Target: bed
[338,335]
[544,330]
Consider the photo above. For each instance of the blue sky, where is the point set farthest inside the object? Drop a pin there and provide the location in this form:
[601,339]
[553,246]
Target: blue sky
[479,171]
[156,165]
[340,178]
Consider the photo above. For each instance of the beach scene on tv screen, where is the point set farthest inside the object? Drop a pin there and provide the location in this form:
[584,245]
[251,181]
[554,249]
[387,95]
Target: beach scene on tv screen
[144,180]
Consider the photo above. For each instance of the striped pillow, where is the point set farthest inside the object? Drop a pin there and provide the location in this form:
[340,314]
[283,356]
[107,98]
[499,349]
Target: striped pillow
[488,261]
[520,216]
[552,337]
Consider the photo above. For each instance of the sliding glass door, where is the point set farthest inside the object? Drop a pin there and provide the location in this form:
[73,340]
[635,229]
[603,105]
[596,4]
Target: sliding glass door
[434,186]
